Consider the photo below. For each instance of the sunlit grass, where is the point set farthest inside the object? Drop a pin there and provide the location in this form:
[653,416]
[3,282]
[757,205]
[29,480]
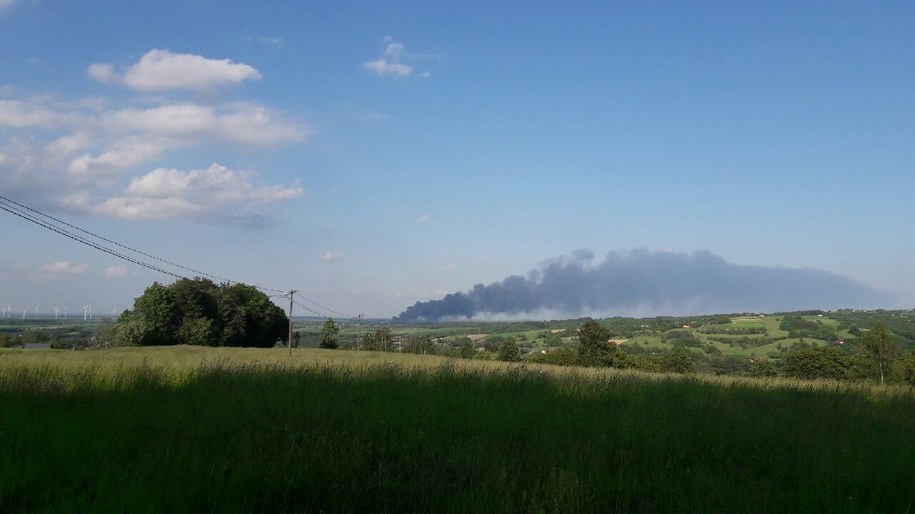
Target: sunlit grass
[204,429]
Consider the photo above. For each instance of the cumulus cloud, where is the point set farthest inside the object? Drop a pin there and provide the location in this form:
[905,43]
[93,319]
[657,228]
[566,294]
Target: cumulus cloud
[423,218]
[211,194]
[71,153]
[644,283]
[333,257]
[125,153]
[64,267]
[239,122]
[161,70]
[389,64]
[5,4]
[115,271]
[19,114]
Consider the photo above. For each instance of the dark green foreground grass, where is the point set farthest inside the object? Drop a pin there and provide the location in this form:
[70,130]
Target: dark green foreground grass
[383,438]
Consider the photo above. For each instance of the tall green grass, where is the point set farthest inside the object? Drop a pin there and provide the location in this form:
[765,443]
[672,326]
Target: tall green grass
[320,435]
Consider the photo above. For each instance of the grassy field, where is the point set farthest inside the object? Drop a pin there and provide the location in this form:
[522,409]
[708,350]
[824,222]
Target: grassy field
[232,430]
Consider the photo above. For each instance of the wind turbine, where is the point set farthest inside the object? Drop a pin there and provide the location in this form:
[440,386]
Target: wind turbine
[86,310]
[23,312]
[65,313]
[36,311]
[56,312]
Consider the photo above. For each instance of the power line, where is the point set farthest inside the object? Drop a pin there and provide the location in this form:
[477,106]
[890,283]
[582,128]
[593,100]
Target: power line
[325,308]
[25,212]
[309,309]
[20,210]
[105,239]
[86,241]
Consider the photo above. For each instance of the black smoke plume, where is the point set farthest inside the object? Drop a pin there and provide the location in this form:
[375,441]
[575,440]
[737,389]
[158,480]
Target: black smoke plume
[644,283]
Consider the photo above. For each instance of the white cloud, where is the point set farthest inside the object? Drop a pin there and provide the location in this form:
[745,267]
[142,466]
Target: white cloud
[161,70]
[19,114]
[123,154]
[333,257]
[389,65]
[240,123]
[72,153]
[257,125]
[172,119]
[270,40]
[423,219]
[37,166]
[371,116]
[99,142]
[115,271]
[103,72]
[5,4]
[69,144]
[64,267]
[214,193]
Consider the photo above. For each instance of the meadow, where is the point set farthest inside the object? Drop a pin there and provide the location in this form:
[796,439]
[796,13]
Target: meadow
[183,429]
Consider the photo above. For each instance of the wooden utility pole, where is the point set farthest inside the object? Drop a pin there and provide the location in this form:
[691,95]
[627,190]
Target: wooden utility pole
[291,293]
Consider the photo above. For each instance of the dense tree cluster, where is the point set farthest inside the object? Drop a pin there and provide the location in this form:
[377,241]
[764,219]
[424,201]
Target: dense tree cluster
[819,362]
[199,312]
[797,326]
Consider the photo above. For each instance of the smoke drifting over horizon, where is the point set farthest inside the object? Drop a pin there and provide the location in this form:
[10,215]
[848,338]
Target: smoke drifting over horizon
[644,283]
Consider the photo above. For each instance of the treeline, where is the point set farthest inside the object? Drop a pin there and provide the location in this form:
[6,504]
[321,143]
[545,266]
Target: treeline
[797,327]
[877,356]
[747,331]
[57,338]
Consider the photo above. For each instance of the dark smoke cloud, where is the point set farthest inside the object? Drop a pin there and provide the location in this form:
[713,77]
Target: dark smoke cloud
[644,283]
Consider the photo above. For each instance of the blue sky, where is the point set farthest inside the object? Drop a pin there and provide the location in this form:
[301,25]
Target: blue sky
[375,154]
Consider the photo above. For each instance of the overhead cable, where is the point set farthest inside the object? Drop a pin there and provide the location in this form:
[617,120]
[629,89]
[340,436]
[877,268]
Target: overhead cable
[24,212]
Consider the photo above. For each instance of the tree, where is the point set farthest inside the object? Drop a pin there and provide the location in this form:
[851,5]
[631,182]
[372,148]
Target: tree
[370,343]
[383,338]
[329,331]
[880,347]
[820,362]
[129,331]
[904,368]
[624,360]
[467,350]
[760,367]
[509,352]
[156,307]
[594,347]
[104,331]
[418,344]
[197,298]
[198,331]
[248,318]
[676,361]
[199,312]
